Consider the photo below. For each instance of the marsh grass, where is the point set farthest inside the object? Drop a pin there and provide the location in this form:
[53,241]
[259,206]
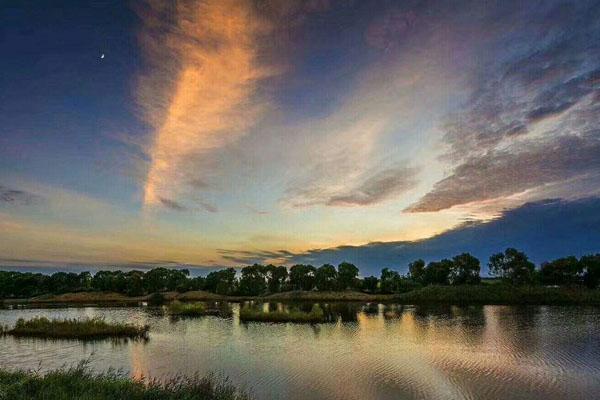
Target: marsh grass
[501,294]
[187,309]
[315,315]
[80,383]
[84,329]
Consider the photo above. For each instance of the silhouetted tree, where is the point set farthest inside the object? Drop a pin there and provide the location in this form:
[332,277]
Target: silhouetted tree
[465,270]
[326,277]
[276,277]
[438,272]
[389,281]
[590,265]
[221,282]
[512,266]
[416,270]
[562,271]
[369,284]
[347,274]
[302,277]
[253,281]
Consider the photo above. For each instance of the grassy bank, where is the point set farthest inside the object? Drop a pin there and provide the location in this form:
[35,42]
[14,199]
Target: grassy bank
[178,308]
[85,329]
[79,383]
[250,314]
[486,293]
[500,294]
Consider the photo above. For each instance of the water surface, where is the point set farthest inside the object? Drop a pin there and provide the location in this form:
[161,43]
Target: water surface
[369,351]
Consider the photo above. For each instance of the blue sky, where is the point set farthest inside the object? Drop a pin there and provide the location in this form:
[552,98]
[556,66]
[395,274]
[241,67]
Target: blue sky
[217,132]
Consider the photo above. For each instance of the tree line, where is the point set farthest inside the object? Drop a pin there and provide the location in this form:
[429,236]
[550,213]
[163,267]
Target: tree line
[511,266]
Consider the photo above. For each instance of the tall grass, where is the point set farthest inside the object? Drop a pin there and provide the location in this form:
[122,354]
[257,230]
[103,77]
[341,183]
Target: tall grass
[80,383]
[315,315]
[89,328]
[187,309]
[500,294]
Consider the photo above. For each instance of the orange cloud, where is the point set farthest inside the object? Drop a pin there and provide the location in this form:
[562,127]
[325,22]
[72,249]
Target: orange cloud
[204,95]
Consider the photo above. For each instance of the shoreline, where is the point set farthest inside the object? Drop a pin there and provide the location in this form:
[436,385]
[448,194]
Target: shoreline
[440,295]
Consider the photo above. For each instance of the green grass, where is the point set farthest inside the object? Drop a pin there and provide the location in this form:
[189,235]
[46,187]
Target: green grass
[500,294]
[251,314]
[89,328]
[80,383]
[187,309]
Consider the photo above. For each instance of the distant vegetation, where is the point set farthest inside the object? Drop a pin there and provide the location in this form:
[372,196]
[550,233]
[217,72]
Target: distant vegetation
[80,383]
[511,267]
[187,309]
[85,329]
[315,315]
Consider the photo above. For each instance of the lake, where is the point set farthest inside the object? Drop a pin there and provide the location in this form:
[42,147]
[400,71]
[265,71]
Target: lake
[368,351]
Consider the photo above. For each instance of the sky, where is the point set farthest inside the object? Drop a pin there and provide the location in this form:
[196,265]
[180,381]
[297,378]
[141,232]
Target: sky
[222,133]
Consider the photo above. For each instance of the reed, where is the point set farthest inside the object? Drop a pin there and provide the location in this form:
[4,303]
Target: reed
[80,383]
[314,316]
[89,328]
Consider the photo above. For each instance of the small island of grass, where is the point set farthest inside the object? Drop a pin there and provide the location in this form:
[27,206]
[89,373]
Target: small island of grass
[84,329]
[315,315]
[180,309]
[79,383]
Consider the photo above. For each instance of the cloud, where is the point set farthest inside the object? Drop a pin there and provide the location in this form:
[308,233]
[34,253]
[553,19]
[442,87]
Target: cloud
[545,230]
[16,196]
[532,118]
[506,172]
[381,186]
[202,91]
[172,204]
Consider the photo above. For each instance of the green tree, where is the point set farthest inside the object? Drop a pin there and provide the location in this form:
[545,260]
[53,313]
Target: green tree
[562,271]
[416,270]
[389,281]
[512,266]
[465,270]
[157,279]
[253,281]
[370,284]
[347,274]
[302,277]
[326,277]
[276,277]
[590,265]
[438,272]
[221,282]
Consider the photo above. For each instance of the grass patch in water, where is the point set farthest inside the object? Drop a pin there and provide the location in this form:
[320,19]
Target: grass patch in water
[315,315]
[187,309]
[80,383]
[89,328]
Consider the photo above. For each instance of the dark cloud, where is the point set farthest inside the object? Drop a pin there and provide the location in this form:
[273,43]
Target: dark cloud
[172,204]
[378,187]
[495,143]
[502,173]
[544,230]
[15,196]
[374,188]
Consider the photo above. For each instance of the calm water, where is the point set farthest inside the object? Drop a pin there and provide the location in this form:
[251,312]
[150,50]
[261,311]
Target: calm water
[369,352]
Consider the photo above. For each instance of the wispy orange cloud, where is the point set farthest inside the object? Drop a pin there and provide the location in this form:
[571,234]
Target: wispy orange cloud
[205,94]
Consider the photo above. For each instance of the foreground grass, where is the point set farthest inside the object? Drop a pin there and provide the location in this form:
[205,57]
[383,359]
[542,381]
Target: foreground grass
[90,328]
[315,315]
[80,383]
[500,294]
